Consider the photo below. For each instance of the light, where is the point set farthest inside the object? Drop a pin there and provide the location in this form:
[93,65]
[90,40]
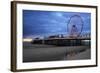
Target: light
[27,40]
[86,40]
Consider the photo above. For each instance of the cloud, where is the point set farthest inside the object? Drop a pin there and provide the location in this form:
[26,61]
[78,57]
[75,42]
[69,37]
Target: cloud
[49,22]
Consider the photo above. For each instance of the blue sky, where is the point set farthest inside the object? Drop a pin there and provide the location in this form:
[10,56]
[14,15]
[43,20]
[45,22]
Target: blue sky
[43,23]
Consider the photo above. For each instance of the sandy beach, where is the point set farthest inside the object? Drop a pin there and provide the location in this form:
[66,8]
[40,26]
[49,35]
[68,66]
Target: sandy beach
[41,52]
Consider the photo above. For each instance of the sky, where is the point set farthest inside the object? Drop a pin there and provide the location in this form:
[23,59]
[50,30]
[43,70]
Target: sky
[45,23]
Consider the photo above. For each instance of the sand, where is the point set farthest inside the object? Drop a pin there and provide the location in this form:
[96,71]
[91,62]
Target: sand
[41,52]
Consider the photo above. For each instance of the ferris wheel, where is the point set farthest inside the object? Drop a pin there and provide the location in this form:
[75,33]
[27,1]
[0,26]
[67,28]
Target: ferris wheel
[75,26]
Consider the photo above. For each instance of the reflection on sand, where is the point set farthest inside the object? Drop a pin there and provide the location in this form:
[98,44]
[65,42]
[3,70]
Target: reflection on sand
[48,52]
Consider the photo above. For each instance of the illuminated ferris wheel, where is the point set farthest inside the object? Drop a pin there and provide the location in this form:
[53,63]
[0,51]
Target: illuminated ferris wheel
[75,26]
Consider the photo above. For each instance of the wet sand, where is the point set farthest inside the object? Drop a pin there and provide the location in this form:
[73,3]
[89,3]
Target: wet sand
[41,52]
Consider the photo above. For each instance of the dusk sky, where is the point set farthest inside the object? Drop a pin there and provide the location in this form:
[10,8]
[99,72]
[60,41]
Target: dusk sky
[44,23]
